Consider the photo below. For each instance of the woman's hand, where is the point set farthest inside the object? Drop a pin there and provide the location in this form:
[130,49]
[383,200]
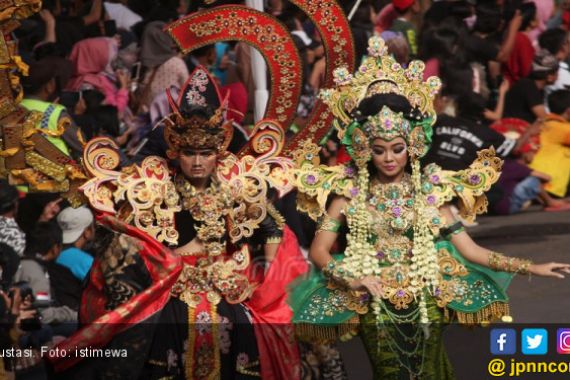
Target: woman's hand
[50,210]
[371,284]
[549,269]
[123,78]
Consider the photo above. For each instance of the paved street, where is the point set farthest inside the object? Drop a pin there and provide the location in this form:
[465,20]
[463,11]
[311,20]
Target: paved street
[540,236]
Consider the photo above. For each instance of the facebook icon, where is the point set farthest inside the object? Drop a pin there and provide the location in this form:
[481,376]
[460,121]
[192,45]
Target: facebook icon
[503,341]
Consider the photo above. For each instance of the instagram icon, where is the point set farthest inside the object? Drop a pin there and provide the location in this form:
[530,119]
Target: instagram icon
[563,341]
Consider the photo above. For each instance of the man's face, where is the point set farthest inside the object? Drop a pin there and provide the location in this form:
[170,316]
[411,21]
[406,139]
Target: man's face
[198,163]
[551,78]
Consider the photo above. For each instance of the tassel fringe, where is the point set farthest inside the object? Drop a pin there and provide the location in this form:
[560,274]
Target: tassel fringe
[493,312]
[327,334]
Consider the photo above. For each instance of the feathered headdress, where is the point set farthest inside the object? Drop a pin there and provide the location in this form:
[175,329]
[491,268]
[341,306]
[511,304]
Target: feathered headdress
[198,119]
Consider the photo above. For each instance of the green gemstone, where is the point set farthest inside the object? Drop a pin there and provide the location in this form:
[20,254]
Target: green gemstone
[426,187]
[395,253]
[459,188]
[399,278]
[399,222]
[435,220]
[381,207]
[410,202]
[326,186]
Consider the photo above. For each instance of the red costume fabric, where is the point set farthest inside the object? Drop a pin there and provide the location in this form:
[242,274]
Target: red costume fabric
[164,268]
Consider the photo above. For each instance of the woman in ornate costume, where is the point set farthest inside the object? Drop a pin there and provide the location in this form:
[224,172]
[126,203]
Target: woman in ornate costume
[408,265]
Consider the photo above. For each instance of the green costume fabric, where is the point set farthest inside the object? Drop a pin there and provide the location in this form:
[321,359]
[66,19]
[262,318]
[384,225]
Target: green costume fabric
[400,351]
[322,313]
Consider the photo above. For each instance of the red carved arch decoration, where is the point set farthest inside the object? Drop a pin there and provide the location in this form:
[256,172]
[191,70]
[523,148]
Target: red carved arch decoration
[333,26]
[260,30]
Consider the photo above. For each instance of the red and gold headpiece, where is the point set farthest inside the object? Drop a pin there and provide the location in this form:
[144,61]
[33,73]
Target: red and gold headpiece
[198,119]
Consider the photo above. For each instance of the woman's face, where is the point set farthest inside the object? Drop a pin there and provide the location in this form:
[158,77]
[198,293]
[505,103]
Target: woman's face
[390,157]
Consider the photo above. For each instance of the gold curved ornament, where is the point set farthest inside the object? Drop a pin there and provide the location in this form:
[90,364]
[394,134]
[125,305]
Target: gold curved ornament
[142,195]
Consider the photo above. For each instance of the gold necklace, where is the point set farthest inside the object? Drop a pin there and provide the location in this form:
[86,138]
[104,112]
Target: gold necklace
[395,201]
[208,209]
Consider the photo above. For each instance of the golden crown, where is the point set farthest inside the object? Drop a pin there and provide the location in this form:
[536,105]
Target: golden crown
[380,74]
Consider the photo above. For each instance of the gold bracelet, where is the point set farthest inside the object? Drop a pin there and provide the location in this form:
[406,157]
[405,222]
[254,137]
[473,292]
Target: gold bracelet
[326,223]
[339,275]
[501,263]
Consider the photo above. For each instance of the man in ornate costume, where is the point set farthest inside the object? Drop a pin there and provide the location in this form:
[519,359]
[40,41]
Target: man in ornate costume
[408,266]
[228,239]
[226,315]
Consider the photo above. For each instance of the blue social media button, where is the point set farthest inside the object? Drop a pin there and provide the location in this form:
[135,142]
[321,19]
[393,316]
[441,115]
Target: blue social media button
[534,341]
[503,341]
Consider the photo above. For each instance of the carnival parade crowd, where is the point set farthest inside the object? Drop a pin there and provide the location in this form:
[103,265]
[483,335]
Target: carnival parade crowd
[103,69]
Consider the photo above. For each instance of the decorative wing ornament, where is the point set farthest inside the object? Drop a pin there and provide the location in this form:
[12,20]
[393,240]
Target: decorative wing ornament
[143,195]
[251,177]
[468,186]
[316,182]
[334,28]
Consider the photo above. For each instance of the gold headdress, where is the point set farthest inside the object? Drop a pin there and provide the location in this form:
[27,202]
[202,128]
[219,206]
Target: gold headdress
[381,74]
[198,119]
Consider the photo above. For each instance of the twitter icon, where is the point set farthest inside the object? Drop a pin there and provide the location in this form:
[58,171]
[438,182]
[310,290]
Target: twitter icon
[534,341]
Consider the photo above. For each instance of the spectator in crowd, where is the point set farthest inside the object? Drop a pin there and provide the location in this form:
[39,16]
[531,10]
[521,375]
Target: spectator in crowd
[92,61]
[204,56]
[553,156]
[519,64]
[78,229]
[519,186]
[456,140]
[525,99]
[557,42]
[38,207]
[480,44]
[397,46]
[42,87]
[43,245]
[164,67]
[9,263]
[406,10]
[10,232]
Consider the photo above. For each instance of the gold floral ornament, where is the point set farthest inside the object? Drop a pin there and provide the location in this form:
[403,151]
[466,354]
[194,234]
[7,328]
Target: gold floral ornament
[217,278]
[143,195]
[469,186]
[318,182]
[249,179]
